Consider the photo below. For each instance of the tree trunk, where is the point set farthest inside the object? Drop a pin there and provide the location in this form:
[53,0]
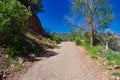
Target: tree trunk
[107,45]
[91,35]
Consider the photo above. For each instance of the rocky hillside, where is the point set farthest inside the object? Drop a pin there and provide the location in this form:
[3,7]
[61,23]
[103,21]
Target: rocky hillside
[35,25]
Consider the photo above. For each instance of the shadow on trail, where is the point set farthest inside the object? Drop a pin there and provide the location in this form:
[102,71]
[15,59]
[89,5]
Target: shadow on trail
[58,47]
[45,54]
[48,54]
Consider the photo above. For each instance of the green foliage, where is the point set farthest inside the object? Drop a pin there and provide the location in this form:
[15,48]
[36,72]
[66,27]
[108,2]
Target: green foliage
[36,5]
[110,37]
[75,35]
[78,41]
[13,24]
[92,51]
[9,62]
[95,11]
[26,46]
[64,36]
[12,62]
[12,51]
[102,38]
[109,55]
[113,56]
[55,38]
[118,74]
[79,36]
[97,14]
[13,21]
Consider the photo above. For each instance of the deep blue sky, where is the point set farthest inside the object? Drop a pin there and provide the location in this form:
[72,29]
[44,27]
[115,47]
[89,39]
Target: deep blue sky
[115,26]
[53,17]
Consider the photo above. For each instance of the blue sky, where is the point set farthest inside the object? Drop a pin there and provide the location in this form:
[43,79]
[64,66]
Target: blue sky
[115,25]
[53,17]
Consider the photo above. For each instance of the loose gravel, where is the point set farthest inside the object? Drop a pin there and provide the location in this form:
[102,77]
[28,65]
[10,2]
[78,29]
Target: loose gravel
[70,62]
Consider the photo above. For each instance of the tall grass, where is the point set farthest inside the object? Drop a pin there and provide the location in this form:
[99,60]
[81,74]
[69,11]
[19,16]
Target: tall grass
[91,51]
[113,56]
[109,54]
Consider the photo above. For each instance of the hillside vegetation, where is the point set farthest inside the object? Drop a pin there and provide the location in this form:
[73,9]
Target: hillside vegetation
[23,39]
[19,41]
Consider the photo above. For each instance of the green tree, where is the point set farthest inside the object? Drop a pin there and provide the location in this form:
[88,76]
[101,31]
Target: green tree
[13,20]
[108,39]
[55,37]
[97,13]
[36,5]
[73,34]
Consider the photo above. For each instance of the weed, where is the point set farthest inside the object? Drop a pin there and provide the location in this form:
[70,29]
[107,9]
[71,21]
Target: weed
[112,56]
[118,74]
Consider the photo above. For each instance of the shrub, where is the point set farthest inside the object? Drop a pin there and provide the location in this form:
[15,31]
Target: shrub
[13,21]
[55,38]
[93,51]
[113,56]
[109,37]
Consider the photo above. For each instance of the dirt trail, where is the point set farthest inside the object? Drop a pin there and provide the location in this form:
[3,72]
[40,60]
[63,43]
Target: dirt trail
[68,62]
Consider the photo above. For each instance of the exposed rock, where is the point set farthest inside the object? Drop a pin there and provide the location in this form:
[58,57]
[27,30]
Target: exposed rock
[35,25]
[113,78]
[13,65]
[106,62]
[113,72]
[31,57]
[20,60]
[6,56]
[117,78]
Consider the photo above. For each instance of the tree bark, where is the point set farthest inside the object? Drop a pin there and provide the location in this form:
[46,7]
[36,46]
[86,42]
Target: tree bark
[91,24]
[91,35]
[107,45]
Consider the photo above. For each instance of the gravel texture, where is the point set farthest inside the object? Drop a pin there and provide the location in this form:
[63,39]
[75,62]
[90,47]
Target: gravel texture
[67,62]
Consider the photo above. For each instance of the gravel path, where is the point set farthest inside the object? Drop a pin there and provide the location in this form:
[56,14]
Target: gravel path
[68,62]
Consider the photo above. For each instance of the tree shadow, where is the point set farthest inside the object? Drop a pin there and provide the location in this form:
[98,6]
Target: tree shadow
[48,54]
[31,50]
[26,47]
[45,54]
[58,47]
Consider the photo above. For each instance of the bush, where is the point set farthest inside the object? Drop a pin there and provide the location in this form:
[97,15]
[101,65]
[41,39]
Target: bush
[55,38]
[13,21]
[113,56]
[93,51]
[110,37]
[78,41]
[26,46]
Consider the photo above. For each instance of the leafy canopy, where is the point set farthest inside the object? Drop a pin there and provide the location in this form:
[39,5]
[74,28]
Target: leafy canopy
[35,5]
[96,12]
[13,20]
